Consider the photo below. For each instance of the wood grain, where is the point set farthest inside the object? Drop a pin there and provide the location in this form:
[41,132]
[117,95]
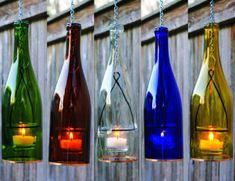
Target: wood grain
[57,27]
[199,17]
[186,53]
[36,9]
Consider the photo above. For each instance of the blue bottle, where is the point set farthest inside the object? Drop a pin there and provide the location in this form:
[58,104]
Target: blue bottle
[163,108]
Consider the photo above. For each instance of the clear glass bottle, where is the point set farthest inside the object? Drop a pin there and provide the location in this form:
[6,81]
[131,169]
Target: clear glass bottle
[211,105]
[117,130]
[21,105]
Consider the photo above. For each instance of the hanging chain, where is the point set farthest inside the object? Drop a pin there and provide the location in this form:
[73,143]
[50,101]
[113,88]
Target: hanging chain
[212,21]
[20,13]
[115,12]
[212,36]
[212,12]
[161,13]
[116,35]
[72,16]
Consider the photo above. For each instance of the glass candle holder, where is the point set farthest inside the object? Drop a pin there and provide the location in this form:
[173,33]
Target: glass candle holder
[162,108]
[70,108]
[21,105]
[211,106]
[117,130]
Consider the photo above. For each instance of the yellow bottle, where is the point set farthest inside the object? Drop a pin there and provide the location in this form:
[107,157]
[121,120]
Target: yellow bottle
[211,106]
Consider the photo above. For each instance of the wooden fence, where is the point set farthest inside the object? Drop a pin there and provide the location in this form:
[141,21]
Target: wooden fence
[186,54]
[186,50]
[36,15]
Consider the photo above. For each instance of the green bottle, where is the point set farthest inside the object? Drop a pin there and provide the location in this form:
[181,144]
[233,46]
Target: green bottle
[21,105]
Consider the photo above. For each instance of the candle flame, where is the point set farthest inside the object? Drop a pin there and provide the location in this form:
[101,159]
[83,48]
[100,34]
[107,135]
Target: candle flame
[211,136]
[117,134]
[70,135]
[23,131]
[162,133]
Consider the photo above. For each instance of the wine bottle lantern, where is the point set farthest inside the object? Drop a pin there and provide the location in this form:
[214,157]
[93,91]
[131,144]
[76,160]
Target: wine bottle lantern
[117,130]
[70,108]
[211,105]
[162,108]
[21,105]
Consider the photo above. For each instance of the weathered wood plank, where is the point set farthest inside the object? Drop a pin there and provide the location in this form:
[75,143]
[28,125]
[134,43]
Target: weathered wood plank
[199,17]
[36,9]
[129,13]
[174,20]
[57,27]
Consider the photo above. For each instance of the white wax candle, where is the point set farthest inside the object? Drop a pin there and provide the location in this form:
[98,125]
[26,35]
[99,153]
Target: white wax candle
[116,143]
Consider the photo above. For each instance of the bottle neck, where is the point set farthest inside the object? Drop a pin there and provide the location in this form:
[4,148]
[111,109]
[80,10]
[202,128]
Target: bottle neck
[211,46]
[112,48]
[73,46]
[21,47]
[115,36]
[161,44]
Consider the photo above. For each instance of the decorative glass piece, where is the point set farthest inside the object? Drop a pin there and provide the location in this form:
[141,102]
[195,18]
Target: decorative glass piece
[117,130]
[21,105]
[162,108]
[70,108]
[211,106]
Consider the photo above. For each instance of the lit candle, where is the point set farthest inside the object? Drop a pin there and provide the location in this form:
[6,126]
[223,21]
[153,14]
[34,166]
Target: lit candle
[23,140]
[211,144]
[163,140]
[71,143]
[116,142]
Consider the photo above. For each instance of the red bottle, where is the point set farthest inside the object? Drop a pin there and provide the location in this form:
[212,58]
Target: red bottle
[70,108]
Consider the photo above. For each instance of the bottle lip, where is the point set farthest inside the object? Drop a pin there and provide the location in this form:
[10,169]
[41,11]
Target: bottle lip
[212,26]
[160,29]
[73,25]
[21,23]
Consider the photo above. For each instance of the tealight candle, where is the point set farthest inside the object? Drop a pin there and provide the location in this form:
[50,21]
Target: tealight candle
[23,140]
[116,142]
[211,144]
[71,143]
[163,140]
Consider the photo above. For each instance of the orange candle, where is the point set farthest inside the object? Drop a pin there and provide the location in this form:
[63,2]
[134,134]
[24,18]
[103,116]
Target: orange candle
[211,143]
[71,143]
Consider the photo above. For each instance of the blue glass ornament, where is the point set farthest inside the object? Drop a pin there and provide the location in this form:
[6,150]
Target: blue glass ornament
[163,108]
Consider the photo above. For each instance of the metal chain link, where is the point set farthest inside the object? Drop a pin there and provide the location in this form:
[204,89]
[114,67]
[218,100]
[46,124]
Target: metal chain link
[161,13]
[115,11]
[212,12]
[212,21]
[20,13]
[212,35]
[116,35]
[72,16]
